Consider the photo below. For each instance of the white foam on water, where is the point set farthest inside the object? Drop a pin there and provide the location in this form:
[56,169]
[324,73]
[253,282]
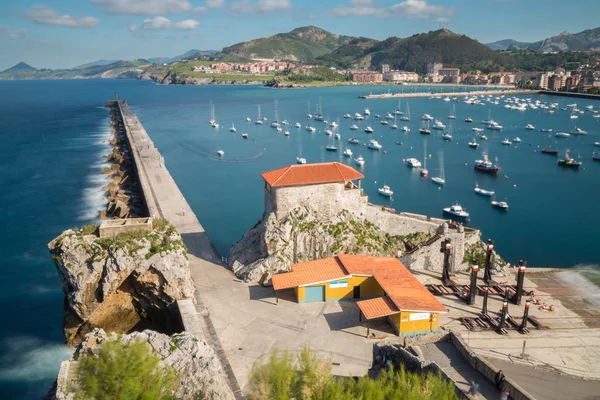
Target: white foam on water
[29,359]
[93,198]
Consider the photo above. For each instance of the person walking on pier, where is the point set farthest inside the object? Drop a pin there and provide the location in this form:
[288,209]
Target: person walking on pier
[183,211]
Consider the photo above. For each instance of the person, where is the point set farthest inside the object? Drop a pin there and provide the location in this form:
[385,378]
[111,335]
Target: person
[183,211]
[499,378]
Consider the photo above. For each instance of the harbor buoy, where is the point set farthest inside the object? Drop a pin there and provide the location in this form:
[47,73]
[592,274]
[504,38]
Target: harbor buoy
[515,185]
[384,152]
[505,176]
[466,164]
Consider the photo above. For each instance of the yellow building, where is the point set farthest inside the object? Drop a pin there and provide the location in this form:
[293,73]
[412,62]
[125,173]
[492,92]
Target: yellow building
[384,287]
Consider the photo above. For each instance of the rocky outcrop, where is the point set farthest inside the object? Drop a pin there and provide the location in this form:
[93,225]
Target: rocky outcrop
[272,245]
[120,283]
[193,360]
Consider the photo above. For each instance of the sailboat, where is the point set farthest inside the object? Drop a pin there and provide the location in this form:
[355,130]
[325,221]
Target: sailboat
[399,110]
[424,129]
[573,116]
[232,129]
[259,120]
[489,118]
[424,171]
[394,125]
[275,122]
[440,180]
[319,115]
[308,114]
[213,121]
[406,116]
[453,112]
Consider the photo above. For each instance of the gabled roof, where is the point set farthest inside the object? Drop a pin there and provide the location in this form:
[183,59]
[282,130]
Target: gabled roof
[310,174]
[402,288]
[325,269]
[377,307]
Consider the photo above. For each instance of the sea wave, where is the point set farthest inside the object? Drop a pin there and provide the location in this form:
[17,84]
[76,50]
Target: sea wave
[30,359]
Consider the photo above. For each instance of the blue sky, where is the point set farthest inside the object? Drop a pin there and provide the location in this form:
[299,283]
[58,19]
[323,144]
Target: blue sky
[65,33]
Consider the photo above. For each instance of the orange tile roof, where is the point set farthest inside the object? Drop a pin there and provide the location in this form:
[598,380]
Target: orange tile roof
[405,290]
[400,285]
[377,307]
[325,269]
[310,174]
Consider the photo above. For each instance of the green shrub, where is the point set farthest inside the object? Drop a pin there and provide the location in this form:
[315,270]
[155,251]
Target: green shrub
[90,229]
[125,372]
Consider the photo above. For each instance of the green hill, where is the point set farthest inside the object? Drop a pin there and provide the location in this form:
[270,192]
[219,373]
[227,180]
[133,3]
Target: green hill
[585,40]
[302,44]
[415,52]
[20,67]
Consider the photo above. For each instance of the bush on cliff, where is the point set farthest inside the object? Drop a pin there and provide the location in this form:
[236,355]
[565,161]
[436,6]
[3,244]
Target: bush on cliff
[310,379]
[125,371]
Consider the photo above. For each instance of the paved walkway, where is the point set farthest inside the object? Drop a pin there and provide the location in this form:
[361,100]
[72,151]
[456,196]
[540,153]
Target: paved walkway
[243,323]
[454,364]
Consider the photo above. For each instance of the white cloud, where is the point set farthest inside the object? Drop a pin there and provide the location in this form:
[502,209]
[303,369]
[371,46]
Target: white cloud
[46,15]
[160,22]
[13,34]
[360,8]
[199,10]
[215,3]
[144,7]
[248,6]
[419,9]
[187,24]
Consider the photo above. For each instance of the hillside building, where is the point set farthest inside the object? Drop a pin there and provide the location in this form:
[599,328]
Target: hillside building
[383,286]
[366,77]
[434,68]
[541,81]
[400,76]
[385,68]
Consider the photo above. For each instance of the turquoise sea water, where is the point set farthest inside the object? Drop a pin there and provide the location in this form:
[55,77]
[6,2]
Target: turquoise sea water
[53,135]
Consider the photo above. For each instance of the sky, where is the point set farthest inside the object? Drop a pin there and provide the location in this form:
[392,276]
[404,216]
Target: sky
[66,33]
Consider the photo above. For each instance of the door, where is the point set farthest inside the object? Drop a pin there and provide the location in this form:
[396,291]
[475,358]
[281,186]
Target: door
[357,292]
[314,293]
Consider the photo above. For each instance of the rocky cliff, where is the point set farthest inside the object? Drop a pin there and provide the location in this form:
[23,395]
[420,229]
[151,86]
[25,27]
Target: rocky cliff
[194,361]
[272,245]
[120,283]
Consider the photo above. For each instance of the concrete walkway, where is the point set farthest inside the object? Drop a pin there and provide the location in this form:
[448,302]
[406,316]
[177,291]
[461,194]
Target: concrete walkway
[243,323]
[454,364]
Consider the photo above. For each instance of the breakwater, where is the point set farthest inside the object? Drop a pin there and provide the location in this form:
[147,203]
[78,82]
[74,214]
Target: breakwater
[571,94]
[163,199]
[453,94]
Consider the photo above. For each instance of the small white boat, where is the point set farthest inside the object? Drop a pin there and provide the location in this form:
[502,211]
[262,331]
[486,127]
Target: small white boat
[368,129]
[385,191]
[438,180]
[484,192]
[482,137]
[473,144]
[439,125]
[394,126]
[447,136]
[286,133]
[214,124]
[562,134]
[457,211]
[297,125]
[360,161]
[413,162]
[374,144]
[232,129]
[597,144]
[389,116]
[274,124]
[578,131]
[245,135]
[477,129]
[506,142]
[358,117]
[405,129]
[500,204]
[248,120]
[384,122]
[427,117]
[348,153]
[337,136]
[347,116]
[546,130]
[367,111]
[494,126]
[221,153]
[530,127]
[279,129]
[310,128]
[333,124]
[354,140]
[330,147]
[353,127]
[328,132]
[516,140]
[301,160]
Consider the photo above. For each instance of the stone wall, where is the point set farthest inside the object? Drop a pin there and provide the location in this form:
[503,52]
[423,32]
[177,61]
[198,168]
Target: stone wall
[114,227]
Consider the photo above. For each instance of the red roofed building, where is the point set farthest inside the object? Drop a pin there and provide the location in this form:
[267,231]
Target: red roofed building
[320,185]
[384,287]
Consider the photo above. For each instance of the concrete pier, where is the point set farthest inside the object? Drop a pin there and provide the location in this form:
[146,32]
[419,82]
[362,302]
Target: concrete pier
[399,95]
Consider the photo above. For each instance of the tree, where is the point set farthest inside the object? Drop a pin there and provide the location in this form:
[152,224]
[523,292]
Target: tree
[125,371]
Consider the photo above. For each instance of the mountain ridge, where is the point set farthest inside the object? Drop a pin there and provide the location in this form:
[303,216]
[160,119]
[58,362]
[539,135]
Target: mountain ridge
[20,67]
[588,39]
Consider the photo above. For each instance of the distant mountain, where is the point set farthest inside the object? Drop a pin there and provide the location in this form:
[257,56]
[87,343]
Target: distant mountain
[117,69]
[585,40]
[188,54]
[507,44]
[415,52]
[95,64]
[305,43]
[20,67]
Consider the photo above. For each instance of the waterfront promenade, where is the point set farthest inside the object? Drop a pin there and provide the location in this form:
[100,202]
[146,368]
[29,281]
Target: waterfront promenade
[399,95]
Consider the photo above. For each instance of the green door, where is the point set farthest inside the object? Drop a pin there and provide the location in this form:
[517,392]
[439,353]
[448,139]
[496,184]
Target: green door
[314,293]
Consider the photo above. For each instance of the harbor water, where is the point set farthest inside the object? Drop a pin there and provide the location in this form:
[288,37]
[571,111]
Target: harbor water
[54,133]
